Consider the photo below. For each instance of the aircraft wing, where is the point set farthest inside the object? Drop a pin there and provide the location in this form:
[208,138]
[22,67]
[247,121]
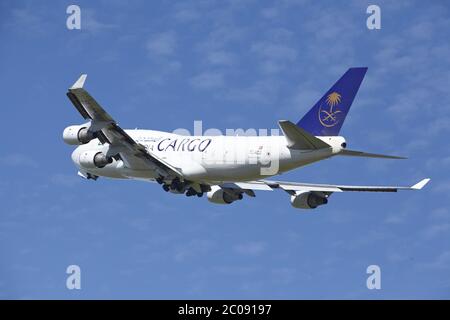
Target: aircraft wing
[107,130]
[303,195]
[292,187]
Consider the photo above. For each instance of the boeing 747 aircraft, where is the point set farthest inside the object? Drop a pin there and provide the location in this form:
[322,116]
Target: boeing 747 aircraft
[224,167]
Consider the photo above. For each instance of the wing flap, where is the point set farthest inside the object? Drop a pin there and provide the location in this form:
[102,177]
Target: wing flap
[247,186]
[308,188]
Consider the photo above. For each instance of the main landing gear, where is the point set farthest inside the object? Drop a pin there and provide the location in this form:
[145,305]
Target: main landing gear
[192,192]
[178,186]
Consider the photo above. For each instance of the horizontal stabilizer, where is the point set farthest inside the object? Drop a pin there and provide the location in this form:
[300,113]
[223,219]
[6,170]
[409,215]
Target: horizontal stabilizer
[297,138]
[353,153]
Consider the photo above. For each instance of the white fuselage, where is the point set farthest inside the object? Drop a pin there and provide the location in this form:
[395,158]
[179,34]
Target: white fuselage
[211,158]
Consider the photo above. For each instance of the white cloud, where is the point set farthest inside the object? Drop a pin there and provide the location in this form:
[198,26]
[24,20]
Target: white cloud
[436,230]
[162,44]
[161,49]
[270,13]
[18,160]
[90,22]
[65,180]
[440,163]
[304,99]
[440,213]
[275,53]
[274,56]
[222,35]
[186,14]
[442,261]
[221,58]
[406,105]
[30,20]
[141,224]
[193,248]
[441,187]
[263,92]
[284,275]
[207,80]
[253,248]
[236,270]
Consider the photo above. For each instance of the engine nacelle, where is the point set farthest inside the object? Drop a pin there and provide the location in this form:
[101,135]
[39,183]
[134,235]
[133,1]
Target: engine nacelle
[76,135]
[94,159]
[307,200]
[219,196]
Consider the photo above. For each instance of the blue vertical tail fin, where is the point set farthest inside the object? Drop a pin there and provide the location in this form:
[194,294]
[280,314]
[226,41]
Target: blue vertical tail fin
[327,116]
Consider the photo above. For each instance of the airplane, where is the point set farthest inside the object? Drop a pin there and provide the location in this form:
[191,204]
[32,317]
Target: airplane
[224,167]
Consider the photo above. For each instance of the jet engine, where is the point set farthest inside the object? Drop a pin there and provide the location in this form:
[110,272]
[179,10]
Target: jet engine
[307,200]
[220,196]
[76,135]
[94,159]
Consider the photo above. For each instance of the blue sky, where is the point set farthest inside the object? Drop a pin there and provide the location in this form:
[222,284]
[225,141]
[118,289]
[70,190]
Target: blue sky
[231,64]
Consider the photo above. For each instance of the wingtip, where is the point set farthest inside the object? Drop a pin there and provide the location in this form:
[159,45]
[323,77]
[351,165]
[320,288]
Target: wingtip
[419,185]
[80,82]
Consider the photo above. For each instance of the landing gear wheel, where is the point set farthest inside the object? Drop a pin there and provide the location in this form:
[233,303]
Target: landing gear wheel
[91,176]
[176,184]
[191,192]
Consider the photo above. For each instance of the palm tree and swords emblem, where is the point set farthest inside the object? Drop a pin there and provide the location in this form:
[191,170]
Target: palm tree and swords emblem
[328,118]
